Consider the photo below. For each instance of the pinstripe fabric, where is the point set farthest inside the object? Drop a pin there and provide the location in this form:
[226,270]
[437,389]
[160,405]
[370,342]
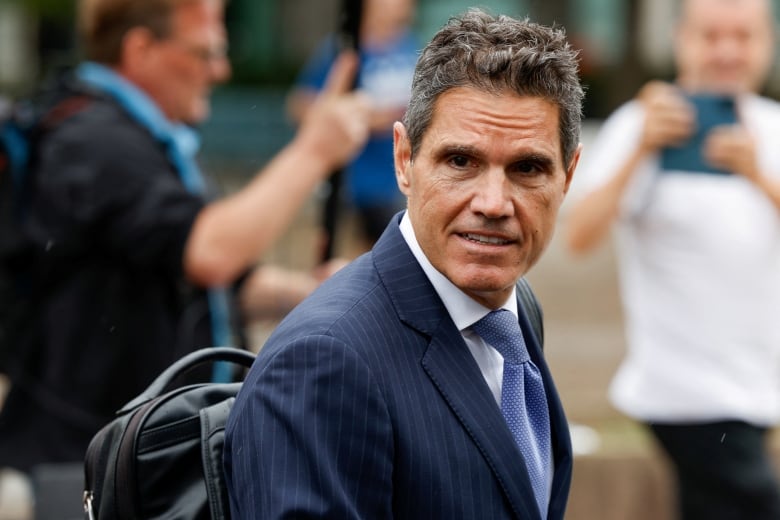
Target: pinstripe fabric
[366,403]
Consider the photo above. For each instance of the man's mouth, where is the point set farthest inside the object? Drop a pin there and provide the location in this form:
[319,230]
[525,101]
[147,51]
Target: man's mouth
[483,239]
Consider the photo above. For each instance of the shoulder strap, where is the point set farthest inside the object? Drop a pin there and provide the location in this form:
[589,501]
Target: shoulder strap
[532,309]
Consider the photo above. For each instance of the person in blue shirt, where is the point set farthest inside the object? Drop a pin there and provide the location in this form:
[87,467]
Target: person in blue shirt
[388,52]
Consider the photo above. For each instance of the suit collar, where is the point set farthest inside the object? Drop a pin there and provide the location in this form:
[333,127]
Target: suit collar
[453,370]
[412,294]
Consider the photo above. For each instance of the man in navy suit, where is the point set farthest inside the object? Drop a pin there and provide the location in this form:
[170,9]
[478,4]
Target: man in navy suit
[376,397]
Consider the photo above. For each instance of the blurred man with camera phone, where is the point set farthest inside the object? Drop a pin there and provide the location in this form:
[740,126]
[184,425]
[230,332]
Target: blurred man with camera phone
[698,243]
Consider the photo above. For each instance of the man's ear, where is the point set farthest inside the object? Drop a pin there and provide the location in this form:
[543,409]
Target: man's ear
[402,156]
[136,46]
[575,159]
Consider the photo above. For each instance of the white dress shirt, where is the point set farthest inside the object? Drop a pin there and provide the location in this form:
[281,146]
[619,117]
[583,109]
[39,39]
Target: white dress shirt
[464,311]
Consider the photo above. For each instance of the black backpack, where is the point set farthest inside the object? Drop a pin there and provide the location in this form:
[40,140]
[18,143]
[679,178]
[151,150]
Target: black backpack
[161,457]
[22,124]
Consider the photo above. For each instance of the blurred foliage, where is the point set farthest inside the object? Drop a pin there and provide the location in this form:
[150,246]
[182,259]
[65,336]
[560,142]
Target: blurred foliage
[255,39]
[55,9]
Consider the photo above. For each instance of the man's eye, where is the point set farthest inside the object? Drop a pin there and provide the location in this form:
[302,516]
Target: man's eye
[459,161]
[527,167]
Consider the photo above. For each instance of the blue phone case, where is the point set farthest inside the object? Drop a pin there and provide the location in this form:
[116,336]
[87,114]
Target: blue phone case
[711,111]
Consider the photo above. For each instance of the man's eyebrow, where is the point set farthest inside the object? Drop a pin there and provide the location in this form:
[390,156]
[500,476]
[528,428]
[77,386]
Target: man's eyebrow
[446,150]
[542,159]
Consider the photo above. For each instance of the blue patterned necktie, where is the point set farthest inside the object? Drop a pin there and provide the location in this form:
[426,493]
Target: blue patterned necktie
[523,400]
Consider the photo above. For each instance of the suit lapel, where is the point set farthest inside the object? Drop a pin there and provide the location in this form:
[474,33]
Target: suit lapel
[452,369]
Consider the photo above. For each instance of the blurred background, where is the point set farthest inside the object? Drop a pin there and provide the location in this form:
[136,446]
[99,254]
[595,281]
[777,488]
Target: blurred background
[623,43]
[619,473]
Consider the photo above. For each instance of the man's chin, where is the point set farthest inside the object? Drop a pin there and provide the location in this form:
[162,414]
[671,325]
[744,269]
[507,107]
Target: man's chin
[485,285]
[198,115]
[729,86]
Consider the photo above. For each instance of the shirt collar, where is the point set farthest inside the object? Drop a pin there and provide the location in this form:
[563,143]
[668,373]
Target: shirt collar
[140,106]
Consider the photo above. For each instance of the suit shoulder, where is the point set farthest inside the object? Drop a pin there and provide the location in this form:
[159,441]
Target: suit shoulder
[352,303]
[344,296]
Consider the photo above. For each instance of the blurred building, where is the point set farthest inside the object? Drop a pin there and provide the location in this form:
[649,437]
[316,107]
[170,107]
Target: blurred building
[622,42]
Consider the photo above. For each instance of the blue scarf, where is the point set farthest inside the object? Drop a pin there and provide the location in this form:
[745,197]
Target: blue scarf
[181,144]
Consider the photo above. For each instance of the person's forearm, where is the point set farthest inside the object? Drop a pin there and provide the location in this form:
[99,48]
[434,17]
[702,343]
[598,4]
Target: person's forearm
[590,219]
[771,188]
[230,234]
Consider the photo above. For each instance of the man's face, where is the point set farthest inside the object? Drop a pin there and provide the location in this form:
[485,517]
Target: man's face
[390,12]
[724,45]
[485,187]
[183,67]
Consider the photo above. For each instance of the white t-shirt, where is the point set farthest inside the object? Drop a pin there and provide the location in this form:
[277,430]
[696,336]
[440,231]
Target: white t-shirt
[699,259]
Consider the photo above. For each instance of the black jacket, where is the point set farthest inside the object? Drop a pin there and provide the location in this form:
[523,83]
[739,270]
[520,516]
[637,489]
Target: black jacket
[108,222]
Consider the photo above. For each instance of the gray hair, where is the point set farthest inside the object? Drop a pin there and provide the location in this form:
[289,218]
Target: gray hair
[498,54]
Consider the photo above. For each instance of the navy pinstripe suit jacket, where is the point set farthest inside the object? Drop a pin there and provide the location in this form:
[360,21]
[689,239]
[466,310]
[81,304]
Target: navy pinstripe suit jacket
[366,403]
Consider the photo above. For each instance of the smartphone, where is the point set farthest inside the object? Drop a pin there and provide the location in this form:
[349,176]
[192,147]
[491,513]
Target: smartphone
[711,110]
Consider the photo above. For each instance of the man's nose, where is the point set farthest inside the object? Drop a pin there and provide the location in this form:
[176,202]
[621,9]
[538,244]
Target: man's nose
[220,69]
[493,195]
[729,48]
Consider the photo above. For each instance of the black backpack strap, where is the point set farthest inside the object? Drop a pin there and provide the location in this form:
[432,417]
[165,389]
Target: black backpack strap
[532,309]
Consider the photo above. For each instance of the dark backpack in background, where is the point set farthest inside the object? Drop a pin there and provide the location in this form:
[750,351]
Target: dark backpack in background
[17,126]
[161,457]
[23,123]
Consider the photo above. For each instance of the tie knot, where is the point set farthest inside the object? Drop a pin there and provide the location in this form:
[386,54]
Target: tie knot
[502,331]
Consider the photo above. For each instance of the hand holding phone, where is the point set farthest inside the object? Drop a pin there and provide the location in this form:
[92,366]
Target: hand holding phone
[712,110]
